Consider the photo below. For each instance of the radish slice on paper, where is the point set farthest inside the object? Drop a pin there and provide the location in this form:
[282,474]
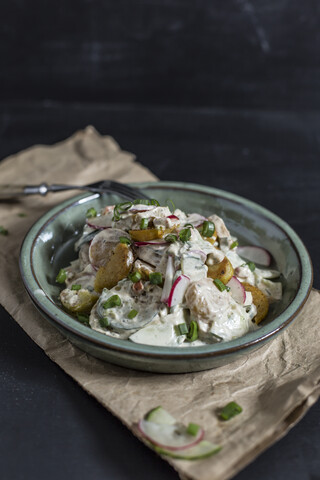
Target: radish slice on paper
[237,290]
[201,450]
[172,437]
[178,290]
[258,255]
[168,279]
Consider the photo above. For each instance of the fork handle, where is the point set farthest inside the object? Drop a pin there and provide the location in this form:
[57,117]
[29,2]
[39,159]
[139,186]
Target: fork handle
[10,190]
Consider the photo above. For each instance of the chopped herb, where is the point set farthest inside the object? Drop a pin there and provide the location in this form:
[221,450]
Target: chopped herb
[208,229]
[188,225]
[252,266]
[132,314]
[144,224]
[76,286]
[220,285]
[234,245]
[153,201]
[185,235]
[135,277]
[104,322]
[172,206]
[181,329]
[3,231]
[155,278]
[230,410]
[120,208]
[171,238]
[125,240]
[91,212]
[192,334]
[193,429]
[62,275]
[82,318]
[113,301]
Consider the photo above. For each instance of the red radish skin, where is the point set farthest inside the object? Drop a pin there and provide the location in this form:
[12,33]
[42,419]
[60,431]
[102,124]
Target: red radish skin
[173,217]
[197,439]
[254,254]
[96,227]
[237,290]
[178,290]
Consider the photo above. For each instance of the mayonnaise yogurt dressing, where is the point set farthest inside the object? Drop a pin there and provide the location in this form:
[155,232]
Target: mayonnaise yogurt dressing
[168,291]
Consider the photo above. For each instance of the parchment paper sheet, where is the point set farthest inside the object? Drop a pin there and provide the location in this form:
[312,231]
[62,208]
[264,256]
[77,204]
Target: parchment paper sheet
[275,385]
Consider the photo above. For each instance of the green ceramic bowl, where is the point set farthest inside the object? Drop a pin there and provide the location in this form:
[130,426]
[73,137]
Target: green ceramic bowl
[49,246]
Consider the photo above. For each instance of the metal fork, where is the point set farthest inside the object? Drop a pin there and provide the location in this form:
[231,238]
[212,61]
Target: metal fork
[9,191]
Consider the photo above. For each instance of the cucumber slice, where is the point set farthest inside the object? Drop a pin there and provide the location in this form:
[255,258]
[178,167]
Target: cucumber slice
[171,437]
[201,450]
[160,416]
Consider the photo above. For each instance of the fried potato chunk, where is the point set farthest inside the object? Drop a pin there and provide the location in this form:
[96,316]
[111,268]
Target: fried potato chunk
[260,300]
[148,234]
[116,269]
[80,301]
[223,271]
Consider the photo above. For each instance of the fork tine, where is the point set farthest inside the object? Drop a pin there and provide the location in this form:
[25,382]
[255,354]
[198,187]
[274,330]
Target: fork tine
[127,190]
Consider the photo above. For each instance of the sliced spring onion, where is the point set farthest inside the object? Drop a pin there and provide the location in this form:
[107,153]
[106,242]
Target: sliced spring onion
[208,229]
[82,318]
[62,275]
[76,286]
[193,428]
[104,322]
[192,334]
[153,201]
[234,244]
[185,235]
[171,205]
[181,329]
[125,240]
[91,212]
[113,301]
[133,313]
[120,208]
[220,285]
[135,277]
[171,238]
[3,231]
[144,224]
[230,410]
[252,266]
[155,278]
[188,225]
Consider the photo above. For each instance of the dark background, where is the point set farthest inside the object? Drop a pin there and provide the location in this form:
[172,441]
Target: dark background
[224,93]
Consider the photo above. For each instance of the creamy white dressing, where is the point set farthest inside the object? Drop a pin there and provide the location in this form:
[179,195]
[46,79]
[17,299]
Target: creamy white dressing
[141,315]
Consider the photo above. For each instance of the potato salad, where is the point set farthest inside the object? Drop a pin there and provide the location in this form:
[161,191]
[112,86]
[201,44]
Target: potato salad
[164,277]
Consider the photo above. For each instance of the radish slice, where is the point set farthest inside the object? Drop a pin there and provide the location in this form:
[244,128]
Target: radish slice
[141,208]
[202,449]
[160,416]
[237,290]
[151,242]
[171,437]
[258,255]
[178,290]
[195,219]
[168,280]
[100,223]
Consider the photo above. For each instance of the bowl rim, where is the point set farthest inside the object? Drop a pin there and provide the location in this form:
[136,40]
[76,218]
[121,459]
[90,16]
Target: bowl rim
[65,321]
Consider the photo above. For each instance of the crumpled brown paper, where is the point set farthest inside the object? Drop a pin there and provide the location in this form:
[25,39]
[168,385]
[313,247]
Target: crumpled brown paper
[275,385]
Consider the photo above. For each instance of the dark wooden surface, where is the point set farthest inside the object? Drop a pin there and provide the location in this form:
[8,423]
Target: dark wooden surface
[218,93]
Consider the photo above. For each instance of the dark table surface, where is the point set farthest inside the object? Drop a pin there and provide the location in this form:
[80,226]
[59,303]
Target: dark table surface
[218,93]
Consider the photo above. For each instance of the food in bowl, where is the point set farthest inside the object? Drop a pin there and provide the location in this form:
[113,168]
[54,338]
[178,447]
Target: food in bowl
[166,278]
